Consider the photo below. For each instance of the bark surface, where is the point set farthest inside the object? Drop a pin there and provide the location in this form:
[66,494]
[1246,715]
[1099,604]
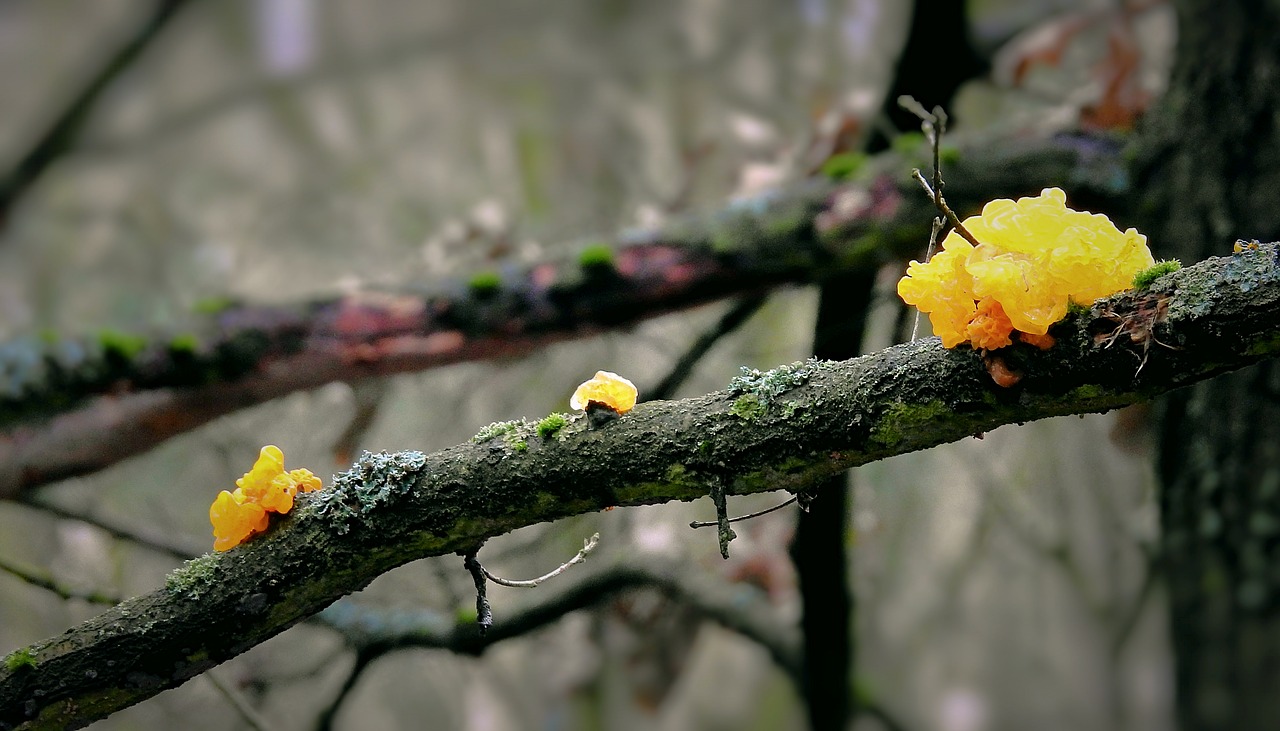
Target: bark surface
[799,425]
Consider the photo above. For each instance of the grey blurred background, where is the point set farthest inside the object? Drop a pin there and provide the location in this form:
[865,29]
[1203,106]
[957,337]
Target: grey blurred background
[275,150]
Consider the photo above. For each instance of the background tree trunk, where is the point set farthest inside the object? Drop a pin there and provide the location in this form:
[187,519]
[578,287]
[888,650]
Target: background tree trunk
[821,550]
[1209,172]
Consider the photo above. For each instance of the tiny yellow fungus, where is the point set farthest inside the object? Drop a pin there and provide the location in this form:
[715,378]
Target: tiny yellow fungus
[1035,256]
[266,488]
[607,389]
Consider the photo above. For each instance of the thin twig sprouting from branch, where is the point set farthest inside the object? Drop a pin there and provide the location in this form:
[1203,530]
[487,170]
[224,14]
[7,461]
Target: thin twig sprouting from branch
[748,516]
[934,230]
[934,125]
[726,533]
[484,613]
[941,203]
[588,546]
[480,575]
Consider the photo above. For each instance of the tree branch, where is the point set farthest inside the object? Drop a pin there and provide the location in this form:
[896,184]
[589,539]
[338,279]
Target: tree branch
[389,509]
[738,607]
[144,390]
[742,608]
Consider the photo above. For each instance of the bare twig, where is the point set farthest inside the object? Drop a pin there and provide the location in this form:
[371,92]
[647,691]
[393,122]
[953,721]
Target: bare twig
[934,125]
[726,533]
[942,206]
[748,516]
[484,613]
[741,608]
[588,546]
[934,230]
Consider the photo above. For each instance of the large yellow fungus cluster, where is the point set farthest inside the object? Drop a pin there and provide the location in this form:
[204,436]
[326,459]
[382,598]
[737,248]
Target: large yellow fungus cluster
[267,488]
[1035,256]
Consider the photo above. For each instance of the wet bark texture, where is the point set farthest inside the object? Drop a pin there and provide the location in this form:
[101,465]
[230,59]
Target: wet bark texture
[795,427]
[1208,174]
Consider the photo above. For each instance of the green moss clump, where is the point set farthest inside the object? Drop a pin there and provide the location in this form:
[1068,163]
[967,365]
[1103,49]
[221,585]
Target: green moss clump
[552,424]
[18,659]
[519,445]
[596,256]
[901,419]
[748,407]
[1144,278]
[121,343]
[485,284]
[844,165]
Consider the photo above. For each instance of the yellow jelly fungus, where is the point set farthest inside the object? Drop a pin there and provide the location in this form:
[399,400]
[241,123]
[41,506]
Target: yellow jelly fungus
[234,520]
[264,489]
[1035,256]
[607,389]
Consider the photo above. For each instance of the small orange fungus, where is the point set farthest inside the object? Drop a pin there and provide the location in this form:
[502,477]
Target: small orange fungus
[1000,372]
[1035,256]
[607,389]
[264,489]
[990,327]
[1043,342]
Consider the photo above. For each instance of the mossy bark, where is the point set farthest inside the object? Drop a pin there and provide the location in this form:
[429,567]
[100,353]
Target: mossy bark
[1208,173]
[390,509]
[52,405]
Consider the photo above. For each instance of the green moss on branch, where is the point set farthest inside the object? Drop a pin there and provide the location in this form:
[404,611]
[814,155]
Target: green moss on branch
[389,509]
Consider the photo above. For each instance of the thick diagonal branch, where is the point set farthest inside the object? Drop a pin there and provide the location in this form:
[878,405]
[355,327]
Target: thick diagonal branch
[389,509]
[144,390]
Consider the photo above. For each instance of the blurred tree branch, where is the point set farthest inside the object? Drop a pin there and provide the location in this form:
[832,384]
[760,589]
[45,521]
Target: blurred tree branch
[389,509]
[66,393]
[68,125]
[742,608]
